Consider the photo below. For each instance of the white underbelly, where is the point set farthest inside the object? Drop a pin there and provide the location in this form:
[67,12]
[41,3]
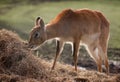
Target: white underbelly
[85,40]
[89,39]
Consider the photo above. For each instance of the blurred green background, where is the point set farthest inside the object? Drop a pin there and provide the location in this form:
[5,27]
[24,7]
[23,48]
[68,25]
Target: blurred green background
[19,15]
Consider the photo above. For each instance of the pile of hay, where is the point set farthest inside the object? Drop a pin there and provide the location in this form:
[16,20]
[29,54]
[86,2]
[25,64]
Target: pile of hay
[18,64]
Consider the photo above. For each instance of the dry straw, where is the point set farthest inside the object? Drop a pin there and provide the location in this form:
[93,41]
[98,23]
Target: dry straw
[18,64]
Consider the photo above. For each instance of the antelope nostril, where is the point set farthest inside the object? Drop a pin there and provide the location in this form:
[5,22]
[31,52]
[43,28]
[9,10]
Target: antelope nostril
[30,46]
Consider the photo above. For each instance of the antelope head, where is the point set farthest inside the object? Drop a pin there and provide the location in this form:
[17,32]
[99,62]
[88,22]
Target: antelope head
[37,35]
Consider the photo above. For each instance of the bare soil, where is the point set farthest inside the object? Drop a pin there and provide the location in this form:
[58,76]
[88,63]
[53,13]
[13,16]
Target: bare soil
[47,51]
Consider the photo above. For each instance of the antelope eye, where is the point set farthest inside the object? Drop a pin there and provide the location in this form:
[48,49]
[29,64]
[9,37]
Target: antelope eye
[37,34]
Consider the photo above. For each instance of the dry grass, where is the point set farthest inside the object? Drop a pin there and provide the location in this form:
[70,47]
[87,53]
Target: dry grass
[18,64]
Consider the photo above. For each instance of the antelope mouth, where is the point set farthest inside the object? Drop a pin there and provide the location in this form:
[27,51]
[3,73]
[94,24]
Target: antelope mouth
[33,47]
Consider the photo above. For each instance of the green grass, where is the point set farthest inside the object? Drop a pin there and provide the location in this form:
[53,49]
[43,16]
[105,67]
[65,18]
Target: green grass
[21,17]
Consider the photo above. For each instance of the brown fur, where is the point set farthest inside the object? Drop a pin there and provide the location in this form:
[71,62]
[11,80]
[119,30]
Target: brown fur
[79,27]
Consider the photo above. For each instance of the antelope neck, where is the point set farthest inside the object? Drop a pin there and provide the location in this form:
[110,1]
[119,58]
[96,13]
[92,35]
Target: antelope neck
[50,32]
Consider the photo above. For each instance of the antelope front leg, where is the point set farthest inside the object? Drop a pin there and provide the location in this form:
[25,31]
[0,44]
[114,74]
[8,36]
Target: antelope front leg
[60,45]
[75,52]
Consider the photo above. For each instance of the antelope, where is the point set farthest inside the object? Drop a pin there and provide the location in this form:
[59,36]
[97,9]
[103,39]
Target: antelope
[84,27]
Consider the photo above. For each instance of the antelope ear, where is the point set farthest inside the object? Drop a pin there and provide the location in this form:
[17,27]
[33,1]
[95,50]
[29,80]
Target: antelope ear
[41,23]
[37,21]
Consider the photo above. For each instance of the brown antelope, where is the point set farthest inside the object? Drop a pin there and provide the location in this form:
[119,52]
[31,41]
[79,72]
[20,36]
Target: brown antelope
[81,27]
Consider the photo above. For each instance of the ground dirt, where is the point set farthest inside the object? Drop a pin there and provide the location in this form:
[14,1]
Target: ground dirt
[47,51]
